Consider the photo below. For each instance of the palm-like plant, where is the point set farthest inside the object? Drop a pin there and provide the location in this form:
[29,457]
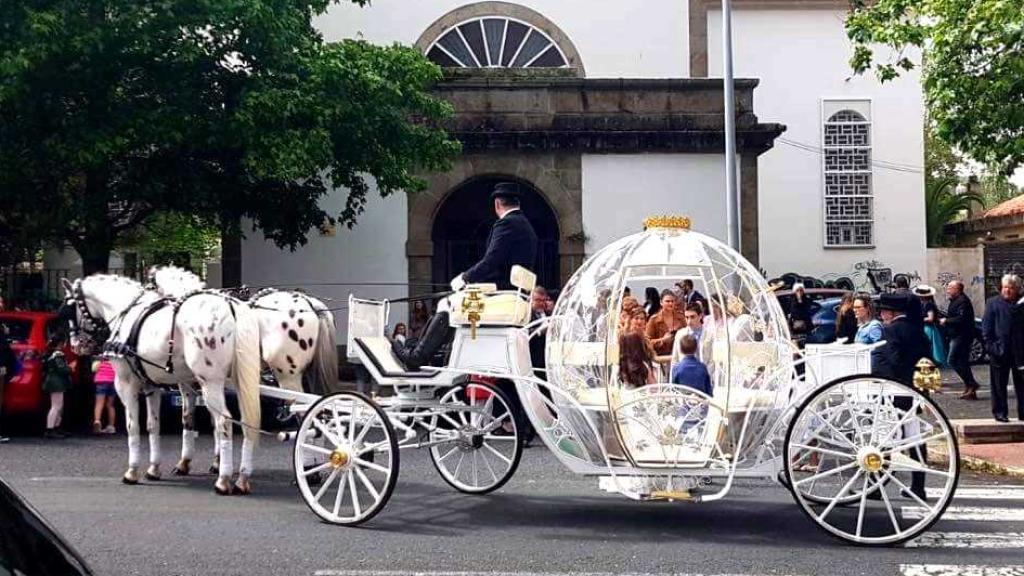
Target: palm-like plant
[943,204]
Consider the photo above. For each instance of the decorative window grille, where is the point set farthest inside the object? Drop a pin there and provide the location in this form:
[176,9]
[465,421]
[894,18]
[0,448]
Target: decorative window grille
[496,42]
[849,202]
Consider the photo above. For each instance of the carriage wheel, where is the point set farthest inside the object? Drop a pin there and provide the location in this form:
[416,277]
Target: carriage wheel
[478,443]
[355,451]
[871,438]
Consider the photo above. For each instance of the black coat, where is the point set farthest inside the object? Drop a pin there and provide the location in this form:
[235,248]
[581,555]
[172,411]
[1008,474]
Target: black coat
[911,308]
[511,241]
[960,318]
[1003,331]
[904,346]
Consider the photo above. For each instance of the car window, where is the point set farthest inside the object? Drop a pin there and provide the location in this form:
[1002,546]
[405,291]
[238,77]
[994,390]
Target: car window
[55,327]
[17,330]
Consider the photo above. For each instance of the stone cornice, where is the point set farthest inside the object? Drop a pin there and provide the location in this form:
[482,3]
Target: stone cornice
[601,115]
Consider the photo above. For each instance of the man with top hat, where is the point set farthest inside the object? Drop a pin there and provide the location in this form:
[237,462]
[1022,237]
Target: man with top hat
[905,344]
[511,241]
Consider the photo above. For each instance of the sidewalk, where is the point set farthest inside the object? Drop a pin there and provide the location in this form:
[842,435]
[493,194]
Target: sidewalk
[985,445]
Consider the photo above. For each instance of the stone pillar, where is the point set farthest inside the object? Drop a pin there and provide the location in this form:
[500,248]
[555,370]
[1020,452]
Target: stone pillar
[749,241]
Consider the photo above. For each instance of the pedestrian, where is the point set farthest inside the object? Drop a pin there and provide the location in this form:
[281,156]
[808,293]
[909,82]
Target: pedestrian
[538,343]
[103,378]
[686,295]
[800,311]
[897,359]
[56,381]
[400,333]
[869,329]
[930,319]
[662,327]
[959,325]
[418,318]
[690,371]
[652,302]
[7,365]
[846,320]
[636,366]
[911,306]
[1003,330]
[694,317]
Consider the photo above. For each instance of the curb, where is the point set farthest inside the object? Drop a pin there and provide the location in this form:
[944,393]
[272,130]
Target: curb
[984,466]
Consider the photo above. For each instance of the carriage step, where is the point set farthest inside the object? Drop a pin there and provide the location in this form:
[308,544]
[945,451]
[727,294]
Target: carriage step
[988,431]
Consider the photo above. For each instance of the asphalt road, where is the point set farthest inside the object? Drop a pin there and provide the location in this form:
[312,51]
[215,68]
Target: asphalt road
[544,520]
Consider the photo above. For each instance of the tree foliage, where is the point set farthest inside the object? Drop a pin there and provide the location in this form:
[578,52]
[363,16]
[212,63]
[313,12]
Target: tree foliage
[114,110]
[944,204]
[166,236]
[973,73]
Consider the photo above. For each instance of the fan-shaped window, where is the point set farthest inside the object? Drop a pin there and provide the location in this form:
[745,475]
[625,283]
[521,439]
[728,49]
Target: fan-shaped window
[496,42]
[849,214]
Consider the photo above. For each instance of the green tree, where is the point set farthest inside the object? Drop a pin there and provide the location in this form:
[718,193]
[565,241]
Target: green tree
[973,74]
[943,204]
[165,236]
[114,110]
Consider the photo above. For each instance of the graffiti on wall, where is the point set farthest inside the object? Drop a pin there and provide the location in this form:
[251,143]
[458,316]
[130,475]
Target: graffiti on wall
[866,276]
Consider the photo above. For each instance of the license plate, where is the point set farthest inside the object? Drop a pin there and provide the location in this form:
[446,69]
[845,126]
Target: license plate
[176,401]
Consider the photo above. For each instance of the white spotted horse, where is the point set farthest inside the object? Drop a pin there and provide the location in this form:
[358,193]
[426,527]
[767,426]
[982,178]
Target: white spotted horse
[153,341]
[297,337]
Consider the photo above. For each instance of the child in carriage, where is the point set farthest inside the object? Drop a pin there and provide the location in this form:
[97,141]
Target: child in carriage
[690,371]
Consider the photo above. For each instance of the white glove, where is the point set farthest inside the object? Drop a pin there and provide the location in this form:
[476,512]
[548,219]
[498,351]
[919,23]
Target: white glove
[458,283]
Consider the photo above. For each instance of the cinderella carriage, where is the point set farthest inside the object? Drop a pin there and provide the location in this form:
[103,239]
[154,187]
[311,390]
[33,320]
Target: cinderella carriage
[845,444]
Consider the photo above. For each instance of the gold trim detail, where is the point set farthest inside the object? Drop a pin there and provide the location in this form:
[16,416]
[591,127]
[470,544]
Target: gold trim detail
[667,221]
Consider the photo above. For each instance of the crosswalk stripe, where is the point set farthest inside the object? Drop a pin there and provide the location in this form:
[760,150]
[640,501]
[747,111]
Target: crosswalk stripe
[959,570]
[983,493]
[972,513]
[968,540]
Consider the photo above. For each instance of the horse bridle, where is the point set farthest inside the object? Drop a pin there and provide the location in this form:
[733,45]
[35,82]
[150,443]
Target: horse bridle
[81,319]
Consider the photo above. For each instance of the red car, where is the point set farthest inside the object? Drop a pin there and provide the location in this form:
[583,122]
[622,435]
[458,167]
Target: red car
[28,333]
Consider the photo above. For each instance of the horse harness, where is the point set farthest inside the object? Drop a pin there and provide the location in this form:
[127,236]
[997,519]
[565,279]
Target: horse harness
[99,329]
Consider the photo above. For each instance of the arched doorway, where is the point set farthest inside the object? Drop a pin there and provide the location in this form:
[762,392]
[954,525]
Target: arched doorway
[464,219]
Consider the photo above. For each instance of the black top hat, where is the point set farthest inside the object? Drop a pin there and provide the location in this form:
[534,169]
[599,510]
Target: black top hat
[891,302]
[505,190]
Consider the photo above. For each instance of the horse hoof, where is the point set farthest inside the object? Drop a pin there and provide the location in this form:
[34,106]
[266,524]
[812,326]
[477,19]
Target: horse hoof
[151,477]
[222,486]
[241,488]
[152,473]
[130,478]
[182,468]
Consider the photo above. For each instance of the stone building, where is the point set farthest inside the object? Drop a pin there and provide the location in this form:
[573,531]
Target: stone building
[606,112]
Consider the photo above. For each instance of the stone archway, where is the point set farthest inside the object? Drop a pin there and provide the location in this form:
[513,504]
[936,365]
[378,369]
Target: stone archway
[554,176]
[463,223]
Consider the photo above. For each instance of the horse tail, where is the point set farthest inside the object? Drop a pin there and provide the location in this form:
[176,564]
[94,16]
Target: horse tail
[247,368]
[325,358]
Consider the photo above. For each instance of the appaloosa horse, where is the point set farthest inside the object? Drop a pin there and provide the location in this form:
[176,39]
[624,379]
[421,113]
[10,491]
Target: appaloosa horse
[155,341]
[297,337]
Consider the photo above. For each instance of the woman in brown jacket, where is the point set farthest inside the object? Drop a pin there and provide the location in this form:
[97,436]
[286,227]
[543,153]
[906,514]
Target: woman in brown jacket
[662,327]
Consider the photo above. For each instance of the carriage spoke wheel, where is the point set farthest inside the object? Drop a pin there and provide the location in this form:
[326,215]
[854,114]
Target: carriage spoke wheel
[871,461]
[478,441]
[346,458]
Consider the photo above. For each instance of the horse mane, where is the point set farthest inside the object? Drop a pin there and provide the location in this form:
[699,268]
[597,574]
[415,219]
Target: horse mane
[174,282]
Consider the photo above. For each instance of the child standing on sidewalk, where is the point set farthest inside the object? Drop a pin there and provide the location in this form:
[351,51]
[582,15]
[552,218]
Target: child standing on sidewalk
[103,377]
[56,380]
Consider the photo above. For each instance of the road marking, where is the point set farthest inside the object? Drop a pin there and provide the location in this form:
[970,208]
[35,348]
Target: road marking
[73,479]
[983,493]
[959,570]
[973,513]
[473,573]
[968,540]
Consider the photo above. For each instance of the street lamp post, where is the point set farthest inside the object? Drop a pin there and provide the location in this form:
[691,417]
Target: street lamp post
[732,201]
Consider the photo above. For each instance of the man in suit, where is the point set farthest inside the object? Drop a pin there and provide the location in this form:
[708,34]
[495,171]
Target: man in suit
[959,324]
[1003,329]
[896,360]
[686,295]
[911,303]
[511,241]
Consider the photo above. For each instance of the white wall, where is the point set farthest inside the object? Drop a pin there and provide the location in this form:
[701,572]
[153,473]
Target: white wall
[800,57]
[370,254]
[620,190]
[614,38]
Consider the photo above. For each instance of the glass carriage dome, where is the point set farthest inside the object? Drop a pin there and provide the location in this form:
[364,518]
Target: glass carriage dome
[744,340]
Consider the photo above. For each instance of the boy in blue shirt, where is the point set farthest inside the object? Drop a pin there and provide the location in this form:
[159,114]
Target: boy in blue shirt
[690,371]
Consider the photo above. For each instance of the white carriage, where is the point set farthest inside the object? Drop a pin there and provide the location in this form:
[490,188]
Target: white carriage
[870,460]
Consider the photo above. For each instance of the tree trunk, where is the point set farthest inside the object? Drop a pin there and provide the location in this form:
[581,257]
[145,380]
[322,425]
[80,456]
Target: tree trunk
[95,258]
